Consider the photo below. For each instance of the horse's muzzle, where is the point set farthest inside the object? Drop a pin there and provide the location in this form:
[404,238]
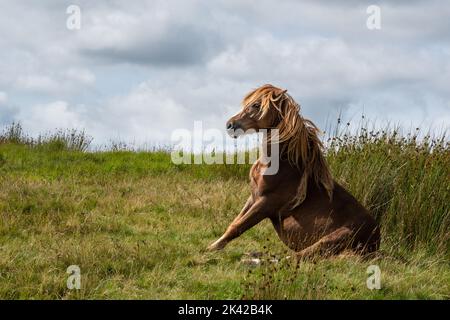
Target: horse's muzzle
[233,129]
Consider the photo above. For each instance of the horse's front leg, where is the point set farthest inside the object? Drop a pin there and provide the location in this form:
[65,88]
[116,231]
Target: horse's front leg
[248,217]
[244,210]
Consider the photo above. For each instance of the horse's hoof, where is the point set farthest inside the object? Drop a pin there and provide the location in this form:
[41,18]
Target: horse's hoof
[215,247]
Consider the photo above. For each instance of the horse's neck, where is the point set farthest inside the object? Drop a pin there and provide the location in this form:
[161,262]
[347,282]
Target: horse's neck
[270,151]
[267,148]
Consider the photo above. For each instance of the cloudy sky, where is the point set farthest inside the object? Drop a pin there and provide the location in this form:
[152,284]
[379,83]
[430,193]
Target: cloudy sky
[137,70]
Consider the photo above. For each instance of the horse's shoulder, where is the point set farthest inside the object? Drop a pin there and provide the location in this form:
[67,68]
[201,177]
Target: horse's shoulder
[265,184]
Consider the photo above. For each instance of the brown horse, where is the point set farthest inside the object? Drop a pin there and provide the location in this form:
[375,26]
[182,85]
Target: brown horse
[311,212]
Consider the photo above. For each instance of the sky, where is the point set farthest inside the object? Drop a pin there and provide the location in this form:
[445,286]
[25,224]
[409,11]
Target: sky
[135,71]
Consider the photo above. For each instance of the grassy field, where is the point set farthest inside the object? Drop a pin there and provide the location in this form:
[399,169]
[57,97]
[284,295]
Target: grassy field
[137,225]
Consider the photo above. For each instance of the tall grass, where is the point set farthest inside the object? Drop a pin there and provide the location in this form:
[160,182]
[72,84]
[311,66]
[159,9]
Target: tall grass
[402,178]
[70,140]
[116,212]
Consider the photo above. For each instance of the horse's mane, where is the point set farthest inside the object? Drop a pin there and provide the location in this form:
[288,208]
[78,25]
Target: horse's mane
[298,138]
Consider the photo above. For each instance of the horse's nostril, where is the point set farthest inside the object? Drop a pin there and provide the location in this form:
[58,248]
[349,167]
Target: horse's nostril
[229,126]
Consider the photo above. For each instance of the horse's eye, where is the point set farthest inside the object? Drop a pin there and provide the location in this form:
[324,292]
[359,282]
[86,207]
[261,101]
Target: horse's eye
[255,106]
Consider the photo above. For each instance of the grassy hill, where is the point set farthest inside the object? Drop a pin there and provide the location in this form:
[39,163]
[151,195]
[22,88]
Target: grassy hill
[136,224]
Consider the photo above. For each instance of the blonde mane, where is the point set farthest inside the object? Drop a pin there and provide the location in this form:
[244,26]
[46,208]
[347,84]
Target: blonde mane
[298,138]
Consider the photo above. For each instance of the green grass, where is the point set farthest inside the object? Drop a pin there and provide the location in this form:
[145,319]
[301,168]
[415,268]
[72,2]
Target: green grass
[137,225]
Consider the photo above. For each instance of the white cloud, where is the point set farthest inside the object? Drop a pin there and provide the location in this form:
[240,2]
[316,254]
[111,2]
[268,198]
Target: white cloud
[38,83]
[3,97]
[156,33]
[138,70]
[80,76]
[68,80]
[48,117]
[142,115]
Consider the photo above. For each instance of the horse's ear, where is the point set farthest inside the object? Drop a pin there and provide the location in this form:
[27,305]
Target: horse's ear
[284,91]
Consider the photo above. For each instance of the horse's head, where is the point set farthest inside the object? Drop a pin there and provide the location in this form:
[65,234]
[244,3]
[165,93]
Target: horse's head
[269,107]
[262,108]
